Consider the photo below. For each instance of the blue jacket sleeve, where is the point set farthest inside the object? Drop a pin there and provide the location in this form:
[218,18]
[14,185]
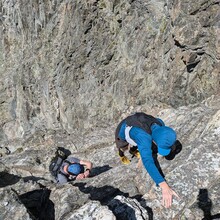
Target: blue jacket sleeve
[144,142]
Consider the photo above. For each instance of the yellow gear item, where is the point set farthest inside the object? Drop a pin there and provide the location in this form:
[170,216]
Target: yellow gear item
[136,154]
[125,160]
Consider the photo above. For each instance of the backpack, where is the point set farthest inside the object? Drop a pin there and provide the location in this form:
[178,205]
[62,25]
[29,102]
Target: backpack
[142,120]
[57,161]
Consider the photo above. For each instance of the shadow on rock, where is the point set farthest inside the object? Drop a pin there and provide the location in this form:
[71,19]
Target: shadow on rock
[144,205]
[32,178]
[38,204]
[205,203]
[98,170]
[106,196]
[121,210]
[7,179]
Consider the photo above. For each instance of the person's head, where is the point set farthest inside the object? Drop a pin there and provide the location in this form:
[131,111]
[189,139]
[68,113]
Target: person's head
[74,169]
[164,137]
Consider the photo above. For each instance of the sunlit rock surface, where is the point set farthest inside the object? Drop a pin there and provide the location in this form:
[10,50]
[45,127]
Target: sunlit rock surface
[71,70]
[125,192]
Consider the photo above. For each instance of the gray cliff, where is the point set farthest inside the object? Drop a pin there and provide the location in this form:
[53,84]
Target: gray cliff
[71,70]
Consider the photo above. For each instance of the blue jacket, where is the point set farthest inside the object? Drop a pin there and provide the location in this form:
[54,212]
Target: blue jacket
[144,143]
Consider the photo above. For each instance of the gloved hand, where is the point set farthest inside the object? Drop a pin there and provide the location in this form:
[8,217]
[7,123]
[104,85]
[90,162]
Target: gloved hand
[135,153]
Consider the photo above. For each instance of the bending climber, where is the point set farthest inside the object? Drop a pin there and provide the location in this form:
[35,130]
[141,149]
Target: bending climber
[73,168]
[148,135]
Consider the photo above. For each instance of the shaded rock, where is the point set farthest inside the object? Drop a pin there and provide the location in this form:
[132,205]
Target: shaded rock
[128,209]
[38,204]
[8,179]
[10,207]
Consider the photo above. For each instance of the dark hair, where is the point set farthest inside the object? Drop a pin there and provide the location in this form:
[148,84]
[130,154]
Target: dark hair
[175,149]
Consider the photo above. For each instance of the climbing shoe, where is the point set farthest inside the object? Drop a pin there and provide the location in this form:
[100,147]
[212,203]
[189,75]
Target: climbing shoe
[125,160]
[135,153]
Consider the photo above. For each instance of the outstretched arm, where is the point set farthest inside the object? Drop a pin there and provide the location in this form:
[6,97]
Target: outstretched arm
[144,142]
[86,163]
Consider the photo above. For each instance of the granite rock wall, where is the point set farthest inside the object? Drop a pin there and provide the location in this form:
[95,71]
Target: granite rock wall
[71,70]
[70,65]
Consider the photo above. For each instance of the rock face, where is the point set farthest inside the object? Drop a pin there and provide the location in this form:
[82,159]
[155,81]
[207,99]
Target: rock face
[71,70]
[79,64]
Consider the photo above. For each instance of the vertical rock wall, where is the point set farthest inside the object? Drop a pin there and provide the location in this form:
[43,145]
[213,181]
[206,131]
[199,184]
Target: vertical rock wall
[80,64]
[69,69]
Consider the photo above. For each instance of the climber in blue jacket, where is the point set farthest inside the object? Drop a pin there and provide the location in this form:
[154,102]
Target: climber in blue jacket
[148,135]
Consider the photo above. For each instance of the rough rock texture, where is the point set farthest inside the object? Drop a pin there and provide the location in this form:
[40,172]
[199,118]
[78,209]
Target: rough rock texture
[71,70]
[78,64]
[119,191]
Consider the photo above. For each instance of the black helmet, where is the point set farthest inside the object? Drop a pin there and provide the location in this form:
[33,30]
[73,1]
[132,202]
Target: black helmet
[175,149]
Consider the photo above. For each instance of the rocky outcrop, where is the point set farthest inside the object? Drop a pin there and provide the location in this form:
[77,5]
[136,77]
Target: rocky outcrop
[70,65]
[119,191]
[71,70]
